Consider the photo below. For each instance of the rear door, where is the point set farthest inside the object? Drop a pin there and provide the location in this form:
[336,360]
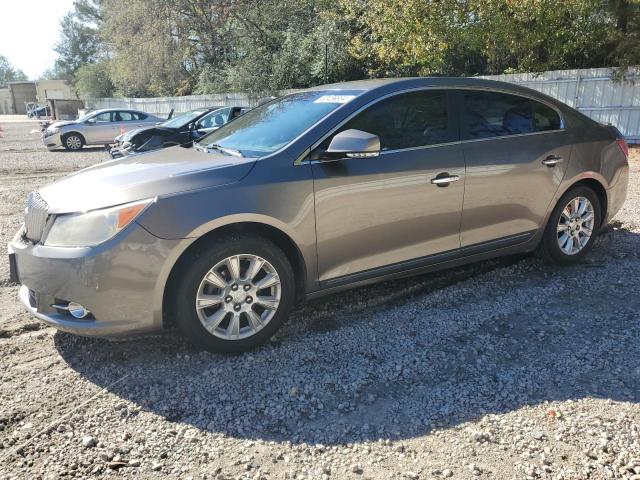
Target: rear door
[123,121]
[386,211]
[516,151]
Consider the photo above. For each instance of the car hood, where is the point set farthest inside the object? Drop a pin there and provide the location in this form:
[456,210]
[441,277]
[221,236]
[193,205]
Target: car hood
[127,136]
[61,123]
[138,177]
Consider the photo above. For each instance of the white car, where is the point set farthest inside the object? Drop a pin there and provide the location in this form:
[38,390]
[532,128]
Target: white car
[99,127]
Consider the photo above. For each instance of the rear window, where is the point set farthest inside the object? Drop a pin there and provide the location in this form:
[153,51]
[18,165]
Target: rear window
[493,114]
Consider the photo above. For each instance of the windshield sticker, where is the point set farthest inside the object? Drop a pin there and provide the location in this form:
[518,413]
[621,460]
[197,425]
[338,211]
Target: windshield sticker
[334,99]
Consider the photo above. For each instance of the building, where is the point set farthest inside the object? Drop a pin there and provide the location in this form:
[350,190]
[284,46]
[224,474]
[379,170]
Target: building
[54,90]
[21,93]
[15,96]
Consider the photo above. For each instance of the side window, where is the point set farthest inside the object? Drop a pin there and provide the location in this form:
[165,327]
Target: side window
[216,118]
[407,120]
[492,114]
[138,115]
[103,117]
[123,116]
[546,118]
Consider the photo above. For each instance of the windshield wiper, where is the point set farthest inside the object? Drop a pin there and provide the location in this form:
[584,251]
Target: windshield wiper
[229,151]
[200,148]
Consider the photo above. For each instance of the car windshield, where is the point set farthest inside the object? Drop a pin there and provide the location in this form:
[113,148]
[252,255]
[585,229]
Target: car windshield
[273,125]
[87,116]
[183,119]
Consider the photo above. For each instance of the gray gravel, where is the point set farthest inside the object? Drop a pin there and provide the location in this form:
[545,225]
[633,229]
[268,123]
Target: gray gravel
[505,369]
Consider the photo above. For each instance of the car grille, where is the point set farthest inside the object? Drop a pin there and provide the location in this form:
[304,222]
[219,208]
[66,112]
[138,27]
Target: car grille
[35,218]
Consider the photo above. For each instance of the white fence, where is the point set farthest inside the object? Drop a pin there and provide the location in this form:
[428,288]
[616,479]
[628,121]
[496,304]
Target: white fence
[163,105]
[592,91]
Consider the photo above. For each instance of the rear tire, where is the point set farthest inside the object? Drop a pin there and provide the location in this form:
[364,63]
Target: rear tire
[72,141]
[233,294]
[572,227]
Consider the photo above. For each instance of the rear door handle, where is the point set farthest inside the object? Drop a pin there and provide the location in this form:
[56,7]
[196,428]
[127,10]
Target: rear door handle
[552,160]
[444,179]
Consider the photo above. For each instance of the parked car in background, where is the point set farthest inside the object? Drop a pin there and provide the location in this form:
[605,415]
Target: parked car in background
[39,111]
[180,130]
[99,127]
[314,192]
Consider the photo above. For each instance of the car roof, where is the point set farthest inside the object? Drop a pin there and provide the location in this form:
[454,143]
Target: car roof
[405,83]
[123,109]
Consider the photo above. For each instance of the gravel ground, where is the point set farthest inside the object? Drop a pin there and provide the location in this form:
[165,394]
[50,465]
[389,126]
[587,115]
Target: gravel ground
[504,369]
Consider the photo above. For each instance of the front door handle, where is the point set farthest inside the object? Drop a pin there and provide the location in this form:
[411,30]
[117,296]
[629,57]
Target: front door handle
[444,179]
[552,160]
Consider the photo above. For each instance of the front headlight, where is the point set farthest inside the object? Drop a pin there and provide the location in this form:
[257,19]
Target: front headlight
[51,131]
[94,227]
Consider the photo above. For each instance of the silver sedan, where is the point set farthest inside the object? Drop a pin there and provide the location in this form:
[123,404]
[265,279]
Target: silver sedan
[99,127]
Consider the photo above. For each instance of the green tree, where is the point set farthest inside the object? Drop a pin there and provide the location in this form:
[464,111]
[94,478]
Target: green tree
[462,37]
[8,73]
[147,60]
[93,80]
[79,44]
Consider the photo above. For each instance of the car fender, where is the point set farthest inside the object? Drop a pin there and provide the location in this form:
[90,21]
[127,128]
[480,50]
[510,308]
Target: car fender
[306,252]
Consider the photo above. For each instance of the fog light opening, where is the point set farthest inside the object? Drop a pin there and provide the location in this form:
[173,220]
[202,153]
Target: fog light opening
[77,311]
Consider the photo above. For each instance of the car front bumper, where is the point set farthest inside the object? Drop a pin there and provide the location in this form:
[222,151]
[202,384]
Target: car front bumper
[52,141]
[119,282]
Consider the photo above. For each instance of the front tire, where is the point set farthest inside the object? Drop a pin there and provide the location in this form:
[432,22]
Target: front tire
[234,293]
[572,227]
[72,141]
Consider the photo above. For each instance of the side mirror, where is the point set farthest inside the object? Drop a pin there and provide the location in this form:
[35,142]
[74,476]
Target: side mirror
[91,121]
[354,144]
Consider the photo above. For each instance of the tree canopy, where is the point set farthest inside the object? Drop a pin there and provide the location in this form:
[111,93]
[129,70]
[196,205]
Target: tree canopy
[169,47]
[8,73]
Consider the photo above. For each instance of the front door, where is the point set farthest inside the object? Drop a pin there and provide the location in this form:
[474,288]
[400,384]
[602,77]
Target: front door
[385,210]
[516,153]
[100,128]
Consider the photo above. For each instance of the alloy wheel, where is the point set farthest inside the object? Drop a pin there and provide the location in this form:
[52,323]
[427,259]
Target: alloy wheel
[74,142]
[238,297]
[575,225]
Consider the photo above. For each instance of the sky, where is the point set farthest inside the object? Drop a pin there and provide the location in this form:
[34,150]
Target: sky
[29,29]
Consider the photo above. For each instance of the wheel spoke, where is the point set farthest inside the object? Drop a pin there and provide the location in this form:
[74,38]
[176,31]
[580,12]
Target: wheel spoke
[233,264]
[254,320]
[575,206]
[204,300]
[215,279]
[575,244]
[255,265]
[270,303]
[562,227]
[566,214]
[212,321]
[587,217]
[268,281]
[234,326]
[562,241]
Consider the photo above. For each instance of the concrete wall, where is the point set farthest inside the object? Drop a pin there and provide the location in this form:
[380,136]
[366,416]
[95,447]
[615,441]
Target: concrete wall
[22,92]
[6,104]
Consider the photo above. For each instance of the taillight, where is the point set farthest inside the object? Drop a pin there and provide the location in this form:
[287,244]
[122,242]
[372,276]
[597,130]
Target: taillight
[622,143]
